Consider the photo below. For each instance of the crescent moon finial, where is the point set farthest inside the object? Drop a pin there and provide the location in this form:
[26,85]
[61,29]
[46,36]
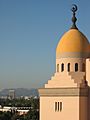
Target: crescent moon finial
[74,19]
[74,8]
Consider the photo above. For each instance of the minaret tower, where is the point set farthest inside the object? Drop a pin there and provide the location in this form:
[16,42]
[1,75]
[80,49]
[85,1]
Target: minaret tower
[66,95]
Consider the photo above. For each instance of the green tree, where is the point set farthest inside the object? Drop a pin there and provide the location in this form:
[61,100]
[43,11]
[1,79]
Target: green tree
[5,116]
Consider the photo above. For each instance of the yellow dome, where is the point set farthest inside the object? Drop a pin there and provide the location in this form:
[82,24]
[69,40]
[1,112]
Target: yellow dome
[72,41]
[88,48]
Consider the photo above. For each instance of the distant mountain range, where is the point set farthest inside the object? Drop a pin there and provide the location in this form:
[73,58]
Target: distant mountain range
[20,92]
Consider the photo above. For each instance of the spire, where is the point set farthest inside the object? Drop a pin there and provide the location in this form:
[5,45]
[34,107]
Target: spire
[74,19]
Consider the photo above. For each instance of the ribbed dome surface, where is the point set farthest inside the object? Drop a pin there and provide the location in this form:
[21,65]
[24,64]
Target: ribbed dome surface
[72,41]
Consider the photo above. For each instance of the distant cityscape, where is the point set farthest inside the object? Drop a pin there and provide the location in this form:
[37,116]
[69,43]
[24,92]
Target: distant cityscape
[19,104]
[18,92]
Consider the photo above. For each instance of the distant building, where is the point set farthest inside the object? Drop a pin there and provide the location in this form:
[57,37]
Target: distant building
[19,110]
[11,94]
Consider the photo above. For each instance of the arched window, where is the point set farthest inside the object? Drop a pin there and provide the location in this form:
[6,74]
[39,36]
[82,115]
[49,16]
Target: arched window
[68,67]
[62,67]
[57,67]
[76,67]
[83,67]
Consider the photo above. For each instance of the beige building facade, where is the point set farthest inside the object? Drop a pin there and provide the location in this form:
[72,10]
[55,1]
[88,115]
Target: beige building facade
[67,95]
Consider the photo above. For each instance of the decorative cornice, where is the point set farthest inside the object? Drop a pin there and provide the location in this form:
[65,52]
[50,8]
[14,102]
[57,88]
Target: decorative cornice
[57,92]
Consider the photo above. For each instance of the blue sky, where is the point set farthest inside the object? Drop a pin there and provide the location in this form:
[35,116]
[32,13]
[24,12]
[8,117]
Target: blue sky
[29,33]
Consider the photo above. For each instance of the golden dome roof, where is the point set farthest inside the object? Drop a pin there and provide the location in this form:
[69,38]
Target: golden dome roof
[72,41]
[88,48]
